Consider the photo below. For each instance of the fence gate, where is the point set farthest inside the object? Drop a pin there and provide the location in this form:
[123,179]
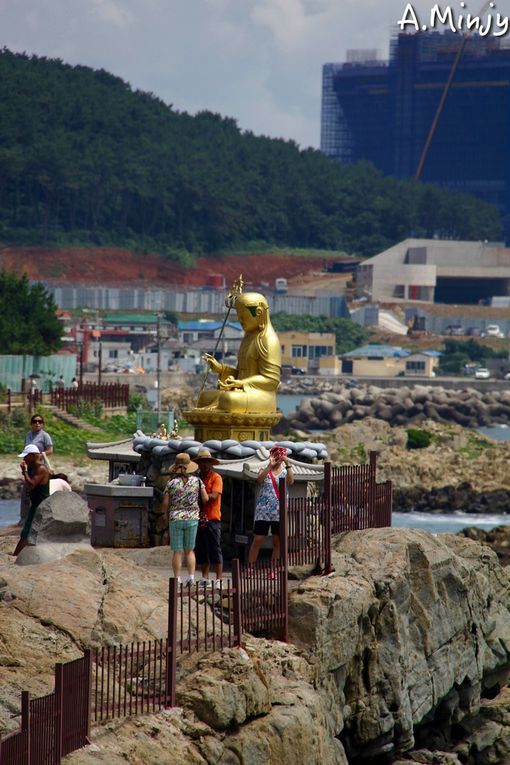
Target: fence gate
[45,730]
[264,597]
[74,680]
[14,748]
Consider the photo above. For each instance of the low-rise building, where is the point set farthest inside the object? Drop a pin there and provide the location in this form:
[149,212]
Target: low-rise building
[389,361]
[203,334]
[435,271]
[422,364]
[311,352]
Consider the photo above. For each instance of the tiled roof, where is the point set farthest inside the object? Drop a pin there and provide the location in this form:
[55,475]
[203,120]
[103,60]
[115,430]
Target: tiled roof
[211,326]
[386,351]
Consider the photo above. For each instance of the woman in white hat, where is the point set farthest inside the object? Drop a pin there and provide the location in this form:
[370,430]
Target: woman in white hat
[180,499]
[36,478]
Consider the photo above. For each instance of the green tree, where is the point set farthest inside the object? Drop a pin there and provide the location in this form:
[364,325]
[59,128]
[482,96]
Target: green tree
[458,353]
[28,323]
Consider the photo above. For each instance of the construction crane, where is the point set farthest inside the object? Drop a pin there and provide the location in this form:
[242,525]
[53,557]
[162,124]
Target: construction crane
[444,96]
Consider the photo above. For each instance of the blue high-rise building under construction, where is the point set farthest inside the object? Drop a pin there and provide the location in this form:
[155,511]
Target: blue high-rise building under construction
[383,111]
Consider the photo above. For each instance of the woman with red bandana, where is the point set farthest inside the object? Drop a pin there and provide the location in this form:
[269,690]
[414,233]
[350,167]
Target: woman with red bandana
[267,508]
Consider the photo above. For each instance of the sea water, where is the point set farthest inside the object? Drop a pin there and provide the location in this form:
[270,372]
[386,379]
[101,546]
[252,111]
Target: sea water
[448,523]
[435,523]
[9,512]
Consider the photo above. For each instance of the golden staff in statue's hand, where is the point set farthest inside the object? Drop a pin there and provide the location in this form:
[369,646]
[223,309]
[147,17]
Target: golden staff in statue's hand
[230,301]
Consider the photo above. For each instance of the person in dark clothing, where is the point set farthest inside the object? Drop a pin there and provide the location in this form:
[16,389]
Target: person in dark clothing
[36,477]
[37,436]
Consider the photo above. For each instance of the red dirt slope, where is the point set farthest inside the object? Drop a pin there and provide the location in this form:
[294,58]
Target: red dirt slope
[120,267]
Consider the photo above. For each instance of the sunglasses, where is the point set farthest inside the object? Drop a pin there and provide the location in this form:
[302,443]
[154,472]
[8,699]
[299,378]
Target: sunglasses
[38,422]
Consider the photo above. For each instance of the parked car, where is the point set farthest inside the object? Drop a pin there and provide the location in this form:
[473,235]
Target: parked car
[493,330]
[454,329]
[506,376]
[473,332]
[482,373]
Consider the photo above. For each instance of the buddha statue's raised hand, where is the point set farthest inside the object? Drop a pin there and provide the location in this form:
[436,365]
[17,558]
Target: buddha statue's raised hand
[214,365]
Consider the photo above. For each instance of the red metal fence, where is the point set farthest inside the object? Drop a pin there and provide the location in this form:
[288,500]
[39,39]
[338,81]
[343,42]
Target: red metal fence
[351,499]
[110,394]
[308,519]
[264,598]
[14,748]
[141,677]
[128,680]
[53,725]
[75,680]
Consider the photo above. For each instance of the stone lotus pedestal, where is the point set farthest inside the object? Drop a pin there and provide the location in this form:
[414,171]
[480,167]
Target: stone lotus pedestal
[213,424]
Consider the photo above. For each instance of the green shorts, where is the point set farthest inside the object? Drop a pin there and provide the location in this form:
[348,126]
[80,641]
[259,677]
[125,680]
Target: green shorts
[182,535]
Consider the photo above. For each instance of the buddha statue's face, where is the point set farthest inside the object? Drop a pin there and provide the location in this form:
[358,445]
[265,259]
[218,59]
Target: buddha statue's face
[249,317]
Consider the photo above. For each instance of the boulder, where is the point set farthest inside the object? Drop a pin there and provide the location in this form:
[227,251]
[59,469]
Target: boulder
[62,517]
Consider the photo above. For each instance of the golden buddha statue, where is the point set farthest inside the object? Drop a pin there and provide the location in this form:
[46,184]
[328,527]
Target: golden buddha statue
[251,386]
[244,404]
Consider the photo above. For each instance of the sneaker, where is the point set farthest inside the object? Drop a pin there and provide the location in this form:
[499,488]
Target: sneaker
[203,582]
[189,581]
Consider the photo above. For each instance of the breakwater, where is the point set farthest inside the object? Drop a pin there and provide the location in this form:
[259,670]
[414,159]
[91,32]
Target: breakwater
[410,404]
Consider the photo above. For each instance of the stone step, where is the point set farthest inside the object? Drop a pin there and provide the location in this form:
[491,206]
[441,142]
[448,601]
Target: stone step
[70,419]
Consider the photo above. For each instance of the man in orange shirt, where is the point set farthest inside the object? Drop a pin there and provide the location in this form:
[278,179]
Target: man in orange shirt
[208,544]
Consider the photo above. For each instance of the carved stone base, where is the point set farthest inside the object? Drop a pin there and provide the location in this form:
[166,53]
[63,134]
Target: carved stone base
[211,424]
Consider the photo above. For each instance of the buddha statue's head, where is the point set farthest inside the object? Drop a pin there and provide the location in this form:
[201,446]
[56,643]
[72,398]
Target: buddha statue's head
[252,311]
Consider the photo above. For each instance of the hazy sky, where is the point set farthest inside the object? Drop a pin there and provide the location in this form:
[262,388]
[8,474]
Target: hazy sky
[258,61]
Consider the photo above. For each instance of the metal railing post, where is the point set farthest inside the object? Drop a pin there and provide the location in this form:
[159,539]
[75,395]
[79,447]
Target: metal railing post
[236,604]
[328,567]
[59,706]
[372,510]
[284,556]
[87,657]
[25,718]
[171,655]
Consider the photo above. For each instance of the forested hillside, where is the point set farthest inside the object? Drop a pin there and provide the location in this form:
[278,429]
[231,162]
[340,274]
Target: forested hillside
[86,160]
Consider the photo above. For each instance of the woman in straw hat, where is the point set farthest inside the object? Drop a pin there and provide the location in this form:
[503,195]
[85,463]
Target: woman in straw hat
[181,497]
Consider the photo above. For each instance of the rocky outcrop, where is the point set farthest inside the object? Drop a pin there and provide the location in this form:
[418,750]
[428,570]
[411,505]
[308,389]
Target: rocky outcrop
[415,631]
[401,651]
[448,499]
[498,539]
[411,404]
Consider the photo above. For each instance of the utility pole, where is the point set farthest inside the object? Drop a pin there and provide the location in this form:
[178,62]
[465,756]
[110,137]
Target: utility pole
[100,357]
[158,369]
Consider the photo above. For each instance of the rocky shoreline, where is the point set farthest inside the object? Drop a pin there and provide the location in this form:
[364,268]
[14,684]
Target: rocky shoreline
[340,404]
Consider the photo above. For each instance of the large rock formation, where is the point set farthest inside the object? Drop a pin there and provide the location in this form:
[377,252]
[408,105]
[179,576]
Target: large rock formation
[404,647]
[415,630]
